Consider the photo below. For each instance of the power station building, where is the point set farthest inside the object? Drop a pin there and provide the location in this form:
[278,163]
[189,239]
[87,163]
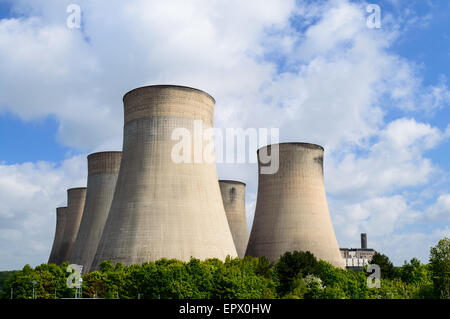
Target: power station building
[55,254]
[291,209]
[233,197]
[75,205]
[163,207]
[103,169]
[357,258]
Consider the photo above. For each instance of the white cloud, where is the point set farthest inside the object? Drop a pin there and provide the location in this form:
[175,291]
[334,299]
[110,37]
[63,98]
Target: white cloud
[379,216]
[394,228]
[219,47]
[440,210]
[29,195]
[395,160]
[404,246]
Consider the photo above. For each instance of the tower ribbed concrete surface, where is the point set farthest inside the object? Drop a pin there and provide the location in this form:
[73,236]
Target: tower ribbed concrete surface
[75,205]
[103,169]
[55,254]
[162,208]
[233,197]
[291,210]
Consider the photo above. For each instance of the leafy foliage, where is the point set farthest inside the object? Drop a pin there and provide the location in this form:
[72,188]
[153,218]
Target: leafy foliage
[290,266]
[386,266]
[440,268]
[294,275]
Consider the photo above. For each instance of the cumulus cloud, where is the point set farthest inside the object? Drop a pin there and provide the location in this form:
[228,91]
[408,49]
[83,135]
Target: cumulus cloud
[124,45]
[404,246]
[379,216]
[440,210]
[29,195]
[395,160]
[393,225]
[312,69]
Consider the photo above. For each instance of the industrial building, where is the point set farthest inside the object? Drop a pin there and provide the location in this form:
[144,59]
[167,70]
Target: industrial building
[103,169]
[75,205]
[291,209]
[233,197]
[357,258]
[55,254]
[162,208]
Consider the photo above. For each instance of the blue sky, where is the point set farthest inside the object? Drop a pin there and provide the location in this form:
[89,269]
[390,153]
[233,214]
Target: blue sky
[376,99]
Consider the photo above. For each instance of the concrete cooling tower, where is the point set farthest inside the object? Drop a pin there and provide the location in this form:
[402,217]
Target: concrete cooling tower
[291,210]
[75,205]
[103,169]
[233,197]
[55,254]
[162,207]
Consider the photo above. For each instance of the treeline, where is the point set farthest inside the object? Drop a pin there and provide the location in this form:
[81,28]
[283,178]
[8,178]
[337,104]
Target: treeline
[294,275]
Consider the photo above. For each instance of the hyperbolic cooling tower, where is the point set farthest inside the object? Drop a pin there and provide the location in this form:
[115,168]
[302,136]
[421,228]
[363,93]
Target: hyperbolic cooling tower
[291,210]
[233,197]
[75,205]
[103,169]
[55,254]
[162,208]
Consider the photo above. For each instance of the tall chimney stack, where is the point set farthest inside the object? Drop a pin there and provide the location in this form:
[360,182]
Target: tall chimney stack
[363,241]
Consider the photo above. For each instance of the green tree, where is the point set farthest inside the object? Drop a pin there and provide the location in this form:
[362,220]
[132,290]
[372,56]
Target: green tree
[386,266]
[440,268]
[106,266]
[94,285]
[299,289]
[294,275]
[290,266]
[333,292]
[50,281]
[415,273]
[264,267]
[315,287]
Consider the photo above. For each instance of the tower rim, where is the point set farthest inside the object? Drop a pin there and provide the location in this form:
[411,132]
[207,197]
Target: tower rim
[230,181]
[307,145]
[103,152]
[182,87]
[76,188]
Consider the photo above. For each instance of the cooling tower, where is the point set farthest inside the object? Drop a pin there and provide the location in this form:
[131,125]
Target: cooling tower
[233,197]
[75,205]
[291,210]
[162,208]
[103,169]
[55,254]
